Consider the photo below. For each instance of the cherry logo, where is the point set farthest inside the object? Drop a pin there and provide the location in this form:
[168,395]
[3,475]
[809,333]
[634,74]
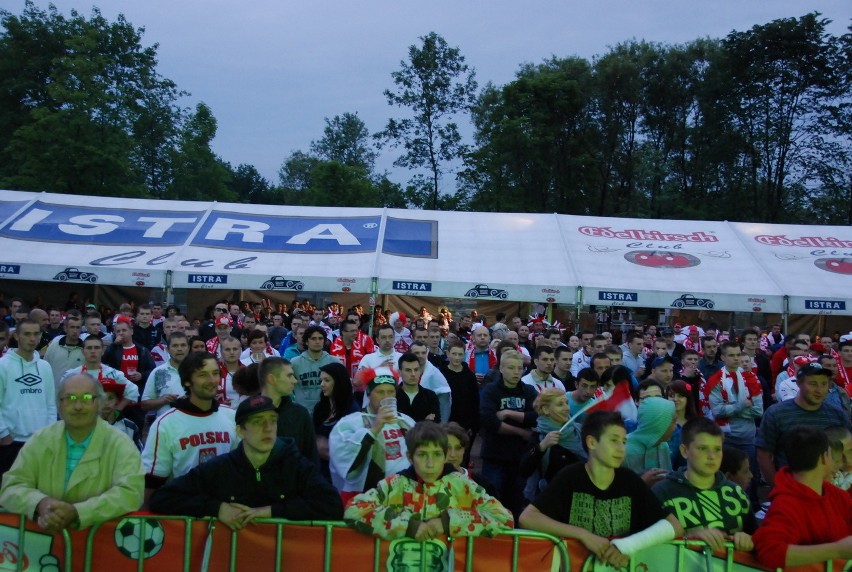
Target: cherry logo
[346,289]
[661,259]
[757,309]
[551,299]
[836,265]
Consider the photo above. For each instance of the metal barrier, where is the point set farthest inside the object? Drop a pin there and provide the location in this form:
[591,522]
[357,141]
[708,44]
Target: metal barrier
[685,557]
[329,527]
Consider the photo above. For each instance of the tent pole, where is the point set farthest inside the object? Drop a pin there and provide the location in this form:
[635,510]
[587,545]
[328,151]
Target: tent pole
[167,290]
[579,306]
[786,314]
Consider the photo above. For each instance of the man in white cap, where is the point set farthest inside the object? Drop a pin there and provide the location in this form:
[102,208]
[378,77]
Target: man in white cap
[369,445]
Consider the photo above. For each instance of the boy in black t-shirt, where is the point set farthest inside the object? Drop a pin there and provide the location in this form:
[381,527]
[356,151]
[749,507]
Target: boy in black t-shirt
[597,500]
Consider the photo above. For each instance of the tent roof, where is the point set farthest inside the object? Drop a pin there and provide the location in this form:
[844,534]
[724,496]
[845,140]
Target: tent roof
[530,257]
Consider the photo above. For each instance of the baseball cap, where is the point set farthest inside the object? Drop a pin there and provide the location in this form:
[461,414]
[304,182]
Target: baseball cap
[677,325]
[668,332]
[223,321]
[802,360]
[252,406]
[92,306]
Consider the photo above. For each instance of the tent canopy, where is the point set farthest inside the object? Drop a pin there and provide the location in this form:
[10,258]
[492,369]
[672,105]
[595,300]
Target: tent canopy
[525,257]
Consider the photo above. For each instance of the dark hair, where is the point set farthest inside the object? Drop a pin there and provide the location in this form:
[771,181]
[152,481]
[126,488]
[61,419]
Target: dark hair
[341,395]
[728,346]
[616,374]
[194,339]
[458,344]
[501,347]
[245,380]
[811,370]
[383,327]
[542,350]
[561,349]
[597,356]
[688,352]
[455,430]
[311,330]
[190,365]
[587,374]
[633,335]
[423,433]
[255,334]
[844,344]
[680,387]
[596,423]
[599,338]
[803,447]
[269,365]
[346,323]
[699,425]
[648,382]
[406,357]
[732,460]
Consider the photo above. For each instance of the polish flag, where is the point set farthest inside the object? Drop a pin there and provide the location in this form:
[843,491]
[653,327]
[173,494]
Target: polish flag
[616,399]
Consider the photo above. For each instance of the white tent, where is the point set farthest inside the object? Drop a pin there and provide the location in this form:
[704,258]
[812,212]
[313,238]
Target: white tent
[522,257]
[811,264]
[667,264]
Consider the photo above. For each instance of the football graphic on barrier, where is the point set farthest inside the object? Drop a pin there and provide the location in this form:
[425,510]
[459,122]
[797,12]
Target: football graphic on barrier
[131,539]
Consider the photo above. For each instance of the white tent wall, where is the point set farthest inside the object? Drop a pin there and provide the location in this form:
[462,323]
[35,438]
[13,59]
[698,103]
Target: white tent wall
[667,264]
[811,264]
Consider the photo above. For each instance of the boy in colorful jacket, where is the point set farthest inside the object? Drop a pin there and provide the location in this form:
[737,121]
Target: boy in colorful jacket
[429,499]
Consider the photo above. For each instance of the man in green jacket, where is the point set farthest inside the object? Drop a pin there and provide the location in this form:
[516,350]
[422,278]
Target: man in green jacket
[76,472]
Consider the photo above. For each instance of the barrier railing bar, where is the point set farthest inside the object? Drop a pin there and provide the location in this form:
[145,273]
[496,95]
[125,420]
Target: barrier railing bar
[187,544]
[377,554]
[329,527]
[326,558]
[22,536]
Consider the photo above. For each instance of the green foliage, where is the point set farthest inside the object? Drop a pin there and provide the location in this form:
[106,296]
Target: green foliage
[75,94]
[752,127]
[198,173]
[435,85]
[346,140]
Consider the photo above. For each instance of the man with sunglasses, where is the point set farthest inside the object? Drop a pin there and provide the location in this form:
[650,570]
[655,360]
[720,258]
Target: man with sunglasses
[76,472]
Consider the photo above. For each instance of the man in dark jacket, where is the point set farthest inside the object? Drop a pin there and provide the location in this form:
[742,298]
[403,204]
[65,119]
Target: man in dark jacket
[265,477]
[277,382]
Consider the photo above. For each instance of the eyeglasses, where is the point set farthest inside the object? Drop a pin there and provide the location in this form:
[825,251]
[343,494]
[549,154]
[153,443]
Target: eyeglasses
[85,398]
[221,309]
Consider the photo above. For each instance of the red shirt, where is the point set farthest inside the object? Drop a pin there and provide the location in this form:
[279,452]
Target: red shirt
[129,360]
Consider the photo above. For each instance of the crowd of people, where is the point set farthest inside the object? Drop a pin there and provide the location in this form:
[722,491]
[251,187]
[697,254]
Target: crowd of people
[430,427]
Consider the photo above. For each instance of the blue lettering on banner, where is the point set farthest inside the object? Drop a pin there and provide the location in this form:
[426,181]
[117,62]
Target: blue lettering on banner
[8,208]
[414,286]
[88,225]
[618,296]
[289,234]
[825,304]
[405,237]
[208,278]
[10,268]
[47,222]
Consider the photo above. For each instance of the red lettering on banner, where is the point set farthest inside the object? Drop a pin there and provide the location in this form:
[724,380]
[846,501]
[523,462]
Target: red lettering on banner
[639,234]
[804,241]
[208,438]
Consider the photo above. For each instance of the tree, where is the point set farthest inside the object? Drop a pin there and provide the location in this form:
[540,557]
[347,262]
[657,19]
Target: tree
[74,95]
[248,185]
[346,140]
[534,136]
[782,79]
[435,85]
[199,173]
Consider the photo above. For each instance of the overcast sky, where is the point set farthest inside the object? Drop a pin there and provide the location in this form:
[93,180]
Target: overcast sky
[271,70]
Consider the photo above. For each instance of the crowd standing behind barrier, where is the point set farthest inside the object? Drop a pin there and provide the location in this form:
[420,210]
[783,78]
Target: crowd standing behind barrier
[145,331]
